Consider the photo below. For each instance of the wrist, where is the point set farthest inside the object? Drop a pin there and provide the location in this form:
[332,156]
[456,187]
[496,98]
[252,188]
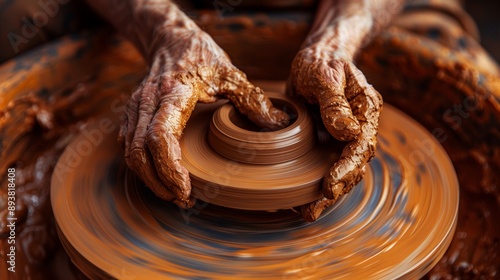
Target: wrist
[341,30]
[154,28]
[328,50]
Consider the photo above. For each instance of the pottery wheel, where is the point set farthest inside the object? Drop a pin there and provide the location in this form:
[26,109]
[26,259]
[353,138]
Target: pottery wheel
[235,164]
[397,222]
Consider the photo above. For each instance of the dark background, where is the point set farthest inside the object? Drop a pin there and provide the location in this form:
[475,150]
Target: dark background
[486,13]
[75,14]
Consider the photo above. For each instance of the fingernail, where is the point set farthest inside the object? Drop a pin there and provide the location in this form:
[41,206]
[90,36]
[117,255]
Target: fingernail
[345,123]
[344,128]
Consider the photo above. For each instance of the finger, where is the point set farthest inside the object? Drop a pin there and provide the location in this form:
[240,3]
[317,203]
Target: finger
[141,109]
[349,170]
[310,212]
[334,107]
[364,100]
[129,124]
[343,176]
[251,100]
[127,127]
[175,106]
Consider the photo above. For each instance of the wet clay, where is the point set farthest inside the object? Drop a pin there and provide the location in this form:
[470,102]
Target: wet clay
[479,196]
[186,63]
[384,228]
[251,168]
[187,66]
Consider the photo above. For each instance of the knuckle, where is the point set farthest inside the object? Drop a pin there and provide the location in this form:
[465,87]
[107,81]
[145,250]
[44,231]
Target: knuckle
[153,135]
[134,98]
[147,98]
[373,96]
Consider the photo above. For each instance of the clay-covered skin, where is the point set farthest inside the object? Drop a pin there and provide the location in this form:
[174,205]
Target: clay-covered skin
[323,72]
[186,66]
[394,56]
[288,164]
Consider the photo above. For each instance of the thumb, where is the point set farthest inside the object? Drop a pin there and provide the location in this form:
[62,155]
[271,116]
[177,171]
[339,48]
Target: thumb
[251,101]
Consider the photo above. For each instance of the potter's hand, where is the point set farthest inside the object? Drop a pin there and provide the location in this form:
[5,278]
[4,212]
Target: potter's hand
[323,72]
[350,110]
[189,69]
[187,66]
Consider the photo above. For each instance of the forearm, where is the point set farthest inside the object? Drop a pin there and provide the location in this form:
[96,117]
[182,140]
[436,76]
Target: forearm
[147,23]
[342,26]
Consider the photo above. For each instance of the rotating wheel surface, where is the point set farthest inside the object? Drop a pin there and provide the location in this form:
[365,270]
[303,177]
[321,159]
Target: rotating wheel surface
[397,222]
[233,163]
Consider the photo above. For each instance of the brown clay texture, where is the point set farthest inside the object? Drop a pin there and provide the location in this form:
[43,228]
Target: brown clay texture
[384,228]
[253,169]
[474,249]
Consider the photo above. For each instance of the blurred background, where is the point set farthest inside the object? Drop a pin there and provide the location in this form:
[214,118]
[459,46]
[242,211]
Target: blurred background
[19,20]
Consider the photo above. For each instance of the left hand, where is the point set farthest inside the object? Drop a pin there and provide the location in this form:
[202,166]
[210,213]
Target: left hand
[187,68]
[350,109]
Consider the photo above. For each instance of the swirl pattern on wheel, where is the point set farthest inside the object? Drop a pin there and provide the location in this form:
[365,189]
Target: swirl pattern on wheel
[243,167]
[397,222]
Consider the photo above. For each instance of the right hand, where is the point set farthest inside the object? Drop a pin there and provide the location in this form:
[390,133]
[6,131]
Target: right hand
[187,68]
[350,109]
